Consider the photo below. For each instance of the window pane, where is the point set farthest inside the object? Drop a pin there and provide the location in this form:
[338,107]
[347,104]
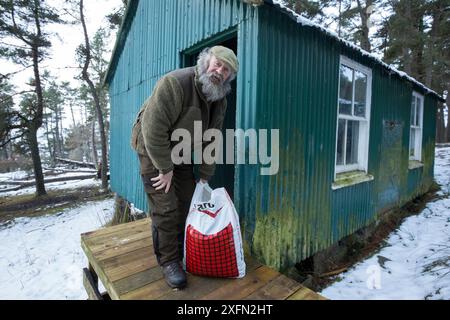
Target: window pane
[352,142]
[412,142]
[340,142]
[413,110]
[360,94]
[345,90]
[418,105]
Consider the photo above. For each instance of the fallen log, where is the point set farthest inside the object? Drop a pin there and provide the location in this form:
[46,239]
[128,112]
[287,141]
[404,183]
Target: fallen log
[60,170]
[78,163]
[11,189]
[60,179]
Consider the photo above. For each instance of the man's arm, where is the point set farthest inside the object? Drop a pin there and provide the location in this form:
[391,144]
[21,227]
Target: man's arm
[164,108]
[206,171]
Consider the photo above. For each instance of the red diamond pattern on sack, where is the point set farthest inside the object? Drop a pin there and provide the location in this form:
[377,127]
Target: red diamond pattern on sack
[211,255]
[209,213]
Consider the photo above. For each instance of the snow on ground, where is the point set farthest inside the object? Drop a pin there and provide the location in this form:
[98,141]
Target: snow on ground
[41,257]
[74,184]
[415,264]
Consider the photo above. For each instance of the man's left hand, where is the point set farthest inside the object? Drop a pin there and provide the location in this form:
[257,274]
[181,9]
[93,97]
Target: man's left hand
[163,181]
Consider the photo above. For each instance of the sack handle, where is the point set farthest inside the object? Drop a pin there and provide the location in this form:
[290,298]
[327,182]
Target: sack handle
[202,192]
[205,186]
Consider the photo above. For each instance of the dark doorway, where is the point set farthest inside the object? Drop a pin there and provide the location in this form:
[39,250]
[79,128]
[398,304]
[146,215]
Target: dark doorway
[224,176]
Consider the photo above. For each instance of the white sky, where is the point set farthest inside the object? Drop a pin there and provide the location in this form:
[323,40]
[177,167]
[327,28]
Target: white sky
[62,63]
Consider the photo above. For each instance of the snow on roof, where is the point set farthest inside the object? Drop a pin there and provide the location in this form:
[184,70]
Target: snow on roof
[306,22]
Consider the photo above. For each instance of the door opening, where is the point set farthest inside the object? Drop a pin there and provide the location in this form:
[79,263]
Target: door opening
[224,175]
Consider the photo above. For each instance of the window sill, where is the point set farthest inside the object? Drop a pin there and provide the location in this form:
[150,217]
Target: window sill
[414,164]
[347,179]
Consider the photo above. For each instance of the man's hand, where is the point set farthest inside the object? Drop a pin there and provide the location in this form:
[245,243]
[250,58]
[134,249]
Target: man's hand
[163,181]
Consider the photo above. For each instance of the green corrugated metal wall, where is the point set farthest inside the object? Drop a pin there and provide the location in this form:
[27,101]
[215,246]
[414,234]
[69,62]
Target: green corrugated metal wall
[296,213]
[158,33]
[288,80]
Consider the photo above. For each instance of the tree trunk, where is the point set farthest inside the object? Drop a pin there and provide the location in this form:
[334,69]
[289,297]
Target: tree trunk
[94,147]
[364,14]
[56,133]
[37,165]
[447,102]
[93,91]
[73,116]
[4,153]
[61,135]
[407,55]
[49,143]
[440,124]
[36,122]
[340,18]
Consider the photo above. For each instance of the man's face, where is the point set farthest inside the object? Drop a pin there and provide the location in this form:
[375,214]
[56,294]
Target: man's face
[219,69]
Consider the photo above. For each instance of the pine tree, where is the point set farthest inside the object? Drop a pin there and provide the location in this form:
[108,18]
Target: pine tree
[25,22]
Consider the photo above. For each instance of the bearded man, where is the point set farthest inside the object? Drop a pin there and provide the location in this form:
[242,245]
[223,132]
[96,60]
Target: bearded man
[180,98]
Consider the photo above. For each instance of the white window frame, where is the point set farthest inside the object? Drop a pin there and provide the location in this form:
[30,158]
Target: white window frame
[364,123]
[418,130]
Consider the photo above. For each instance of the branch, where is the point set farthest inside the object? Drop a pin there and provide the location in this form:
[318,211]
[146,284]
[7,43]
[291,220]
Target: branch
[86,40]
[4,143]
[13,45]
[15,94]
[23,118]
[16,33]
[70,14]
[5,76]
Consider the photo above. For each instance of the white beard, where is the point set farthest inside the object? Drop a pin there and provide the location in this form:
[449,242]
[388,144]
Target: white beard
[212,91]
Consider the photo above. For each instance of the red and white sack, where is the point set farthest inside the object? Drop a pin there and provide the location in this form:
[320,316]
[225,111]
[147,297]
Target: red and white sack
[213,241]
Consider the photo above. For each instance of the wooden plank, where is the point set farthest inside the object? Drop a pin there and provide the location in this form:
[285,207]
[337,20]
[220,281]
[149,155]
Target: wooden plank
[93,275]
[111,241]
[90,286]
[113,229]
[151,291]
[122,267]
[305,294]
[120,233]
[138,280]
[100,272]
[127,258]
[122,249]
[198,287]
[241,288]
[278,289]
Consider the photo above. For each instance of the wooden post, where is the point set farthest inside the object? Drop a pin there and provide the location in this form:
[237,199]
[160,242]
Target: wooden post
[90,282]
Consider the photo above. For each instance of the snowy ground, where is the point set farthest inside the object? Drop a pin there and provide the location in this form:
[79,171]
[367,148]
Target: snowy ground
[415,264]
[22,175]
[41,257]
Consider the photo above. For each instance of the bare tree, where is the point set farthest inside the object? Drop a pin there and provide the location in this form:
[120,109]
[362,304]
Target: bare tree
[86,77]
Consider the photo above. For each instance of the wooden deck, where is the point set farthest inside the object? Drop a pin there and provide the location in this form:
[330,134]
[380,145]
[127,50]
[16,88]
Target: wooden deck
[122,258]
